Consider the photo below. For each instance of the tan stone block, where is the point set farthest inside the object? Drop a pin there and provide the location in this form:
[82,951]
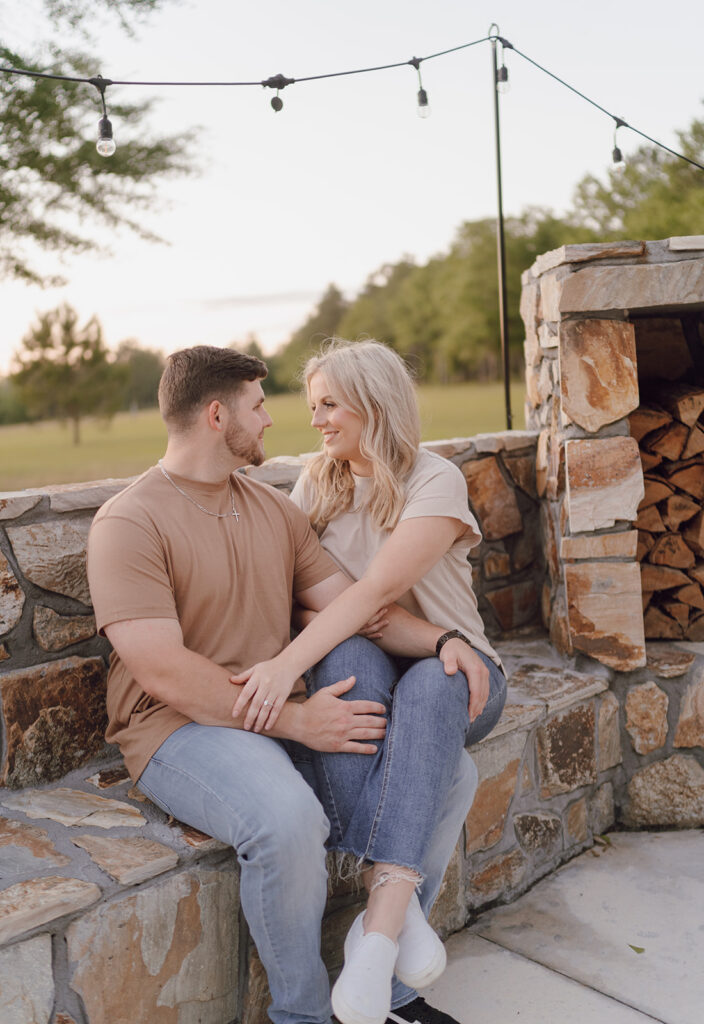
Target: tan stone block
[53,555]
[529,306]
[73,807]
[551,286]
[550,534]
[194,837]
[548,336]
[666,661]
[646,717]
[515,716]
[598,376]
[609,734]
[108,777]
[602,289]
[544,386]
[4,653]
[257,996]
[686,243]
[130,859]
[604,482]
[667,792]
[53,632]
[87,495]
[604,609]
[559,629]
[494,500]
[14,505]
[498,762]
[26,848]
[279,471]
[522,470]
[28,904]
[497,877]
[602,812]
[55,718]
[11,597]
[566,756]
[515,605]
[496,563]
[172,950]
[690,727]
[541,462]
[449,447]
[539,833]
[448,912]
[26,982]
[64,1018]
[506,441]
[555,687]
[584,252]
[576,821]
[605,545]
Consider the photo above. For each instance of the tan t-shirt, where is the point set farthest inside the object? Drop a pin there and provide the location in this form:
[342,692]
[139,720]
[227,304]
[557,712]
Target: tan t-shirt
[154,554]
[444,596]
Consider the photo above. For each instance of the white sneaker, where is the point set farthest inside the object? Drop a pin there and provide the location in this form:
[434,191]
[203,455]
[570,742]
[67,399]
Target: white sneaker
[362,993]
[421,955]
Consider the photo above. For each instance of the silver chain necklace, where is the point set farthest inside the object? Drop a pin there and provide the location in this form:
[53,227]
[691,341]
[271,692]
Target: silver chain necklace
[218,515]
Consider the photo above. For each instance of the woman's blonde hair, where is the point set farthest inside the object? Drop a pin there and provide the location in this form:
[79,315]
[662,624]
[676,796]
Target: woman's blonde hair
[371,380]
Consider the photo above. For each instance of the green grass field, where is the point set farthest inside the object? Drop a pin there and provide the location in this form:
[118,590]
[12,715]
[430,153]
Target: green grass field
[31,456]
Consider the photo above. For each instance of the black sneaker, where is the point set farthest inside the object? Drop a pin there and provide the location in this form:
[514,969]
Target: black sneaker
[419,1012]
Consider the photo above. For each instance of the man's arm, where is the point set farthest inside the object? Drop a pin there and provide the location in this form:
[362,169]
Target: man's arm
[153,652]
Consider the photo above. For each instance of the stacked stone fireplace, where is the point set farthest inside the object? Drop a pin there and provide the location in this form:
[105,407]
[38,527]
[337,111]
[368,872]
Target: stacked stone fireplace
[615,385]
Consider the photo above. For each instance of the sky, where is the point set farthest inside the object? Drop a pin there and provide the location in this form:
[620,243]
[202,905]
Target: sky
[347,177]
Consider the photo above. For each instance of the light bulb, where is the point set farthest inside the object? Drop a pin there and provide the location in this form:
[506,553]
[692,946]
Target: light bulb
[277,103]
[619,164]
[423,105]
[502,83]
[105,144]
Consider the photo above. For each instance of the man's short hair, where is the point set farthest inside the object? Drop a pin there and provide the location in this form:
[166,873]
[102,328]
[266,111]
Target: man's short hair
[196,376]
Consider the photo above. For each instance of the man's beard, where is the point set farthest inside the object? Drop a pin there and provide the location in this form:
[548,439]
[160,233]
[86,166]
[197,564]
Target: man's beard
[244,447]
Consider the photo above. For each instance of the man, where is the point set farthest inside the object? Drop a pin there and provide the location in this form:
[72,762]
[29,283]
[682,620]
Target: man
[192,570]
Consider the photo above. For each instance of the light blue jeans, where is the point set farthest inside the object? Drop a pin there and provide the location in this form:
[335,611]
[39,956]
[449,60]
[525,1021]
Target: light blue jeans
[406,804]
[245,790]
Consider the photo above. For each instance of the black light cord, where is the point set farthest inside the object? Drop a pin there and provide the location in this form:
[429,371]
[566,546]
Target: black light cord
[279,82]
[620,123]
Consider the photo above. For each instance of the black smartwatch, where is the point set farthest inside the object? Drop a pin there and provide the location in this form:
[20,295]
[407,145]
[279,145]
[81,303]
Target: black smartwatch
[452,634]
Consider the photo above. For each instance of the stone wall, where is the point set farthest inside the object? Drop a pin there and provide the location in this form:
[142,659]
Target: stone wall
[107,906]
[584,307]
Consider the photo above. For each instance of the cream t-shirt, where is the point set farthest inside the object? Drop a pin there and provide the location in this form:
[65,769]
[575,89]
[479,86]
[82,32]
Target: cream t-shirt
[444,596]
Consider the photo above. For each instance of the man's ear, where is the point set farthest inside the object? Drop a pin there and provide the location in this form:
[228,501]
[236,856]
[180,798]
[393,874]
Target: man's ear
[215,415]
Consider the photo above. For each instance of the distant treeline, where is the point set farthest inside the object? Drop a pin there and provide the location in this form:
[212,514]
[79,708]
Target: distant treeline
[442,316]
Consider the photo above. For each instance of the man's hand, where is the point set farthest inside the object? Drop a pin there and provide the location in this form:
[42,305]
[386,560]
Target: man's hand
[456,654]
[341,726]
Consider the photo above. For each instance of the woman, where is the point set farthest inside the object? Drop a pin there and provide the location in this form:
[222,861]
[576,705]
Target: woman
[395,519]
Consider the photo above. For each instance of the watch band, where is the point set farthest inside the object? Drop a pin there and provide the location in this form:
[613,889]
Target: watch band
[452,634]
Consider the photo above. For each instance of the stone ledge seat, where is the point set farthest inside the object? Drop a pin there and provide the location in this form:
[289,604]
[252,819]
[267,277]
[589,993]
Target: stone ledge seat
[92,867]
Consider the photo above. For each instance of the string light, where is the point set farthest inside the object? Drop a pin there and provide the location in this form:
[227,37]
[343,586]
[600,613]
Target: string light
[502,83]
[423,107]
[619,164]
[106,143]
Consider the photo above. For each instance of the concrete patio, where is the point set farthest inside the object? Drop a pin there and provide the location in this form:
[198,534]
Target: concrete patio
[565,950]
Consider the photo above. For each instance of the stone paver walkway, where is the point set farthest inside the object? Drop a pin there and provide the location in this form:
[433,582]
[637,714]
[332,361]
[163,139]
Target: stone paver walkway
[564,951]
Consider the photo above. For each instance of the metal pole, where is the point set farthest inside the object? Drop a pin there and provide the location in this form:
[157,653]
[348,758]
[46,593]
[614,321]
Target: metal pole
[500,243]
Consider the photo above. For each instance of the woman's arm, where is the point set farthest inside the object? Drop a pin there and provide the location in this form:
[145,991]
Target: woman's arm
[411,550]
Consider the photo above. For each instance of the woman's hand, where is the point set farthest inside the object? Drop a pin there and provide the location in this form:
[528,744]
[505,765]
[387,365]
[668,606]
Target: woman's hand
[265,688]
[456,654]
[373,630]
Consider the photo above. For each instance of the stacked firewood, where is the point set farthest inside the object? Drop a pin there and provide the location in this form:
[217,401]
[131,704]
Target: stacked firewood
[670,433]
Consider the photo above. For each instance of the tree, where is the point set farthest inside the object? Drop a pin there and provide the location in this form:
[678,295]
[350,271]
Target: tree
[656,195]
[65,371]
[52,176]
[143,370]
[323,322]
